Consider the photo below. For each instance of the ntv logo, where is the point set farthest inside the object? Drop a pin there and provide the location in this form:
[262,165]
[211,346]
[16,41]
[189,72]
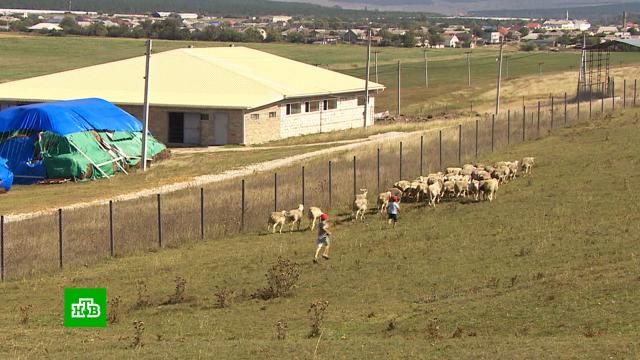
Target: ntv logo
[85,308]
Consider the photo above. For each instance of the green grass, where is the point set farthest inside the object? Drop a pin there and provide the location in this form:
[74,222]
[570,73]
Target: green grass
[180,167]
[534,274]
[29,56]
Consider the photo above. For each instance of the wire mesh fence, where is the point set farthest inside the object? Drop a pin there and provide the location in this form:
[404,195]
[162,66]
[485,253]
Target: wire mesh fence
[78,237]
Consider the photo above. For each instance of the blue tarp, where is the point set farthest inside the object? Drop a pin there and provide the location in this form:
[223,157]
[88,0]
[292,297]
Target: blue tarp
[6,176]
[67,117]
[19,154]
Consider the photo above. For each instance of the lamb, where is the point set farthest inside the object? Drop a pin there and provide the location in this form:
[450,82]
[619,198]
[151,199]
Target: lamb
[362,195]
[453,170]
[527,164]
[383,201]
[449,188]
[501,174]
[461,188]
[361,205]
[402,185]
[314,214]
[277,218]
[489,188]
[295,216]
[513,167]
[434,192]
[474,188]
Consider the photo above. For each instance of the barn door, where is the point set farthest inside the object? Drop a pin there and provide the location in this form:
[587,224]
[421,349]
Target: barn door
[220,128]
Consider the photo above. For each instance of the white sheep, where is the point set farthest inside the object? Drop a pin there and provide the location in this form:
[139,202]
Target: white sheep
[314,214]
[527,164]
[277,218]
[453,170]
[489,189]
[402,185]
[434,192]
[361,205]
[295,216]
[383,201]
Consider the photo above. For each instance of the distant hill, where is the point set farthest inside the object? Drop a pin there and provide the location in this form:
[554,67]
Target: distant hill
[214,7]
[601,13]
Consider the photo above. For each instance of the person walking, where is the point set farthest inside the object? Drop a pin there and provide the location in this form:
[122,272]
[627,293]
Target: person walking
[392,210]
[323,238]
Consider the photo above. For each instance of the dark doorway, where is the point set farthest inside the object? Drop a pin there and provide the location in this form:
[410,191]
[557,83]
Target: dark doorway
[176,127]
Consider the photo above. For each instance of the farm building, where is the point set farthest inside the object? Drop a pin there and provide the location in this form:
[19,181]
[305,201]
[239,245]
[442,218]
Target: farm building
[213,96]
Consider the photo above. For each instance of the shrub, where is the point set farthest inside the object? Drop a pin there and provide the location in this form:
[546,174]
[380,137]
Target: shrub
[281,329]
[528,46]
[113,311]
[316,313]
[138,332]
[281,279]
[224,297]
[143,299]
[179,295]
[25,314]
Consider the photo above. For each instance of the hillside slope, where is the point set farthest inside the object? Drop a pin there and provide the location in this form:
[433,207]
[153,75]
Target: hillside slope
[548,270]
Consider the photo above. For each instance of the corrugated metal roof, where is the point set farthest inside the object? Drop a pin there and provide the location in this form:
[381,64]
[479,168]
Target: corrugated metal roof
[632,42]
[232,77]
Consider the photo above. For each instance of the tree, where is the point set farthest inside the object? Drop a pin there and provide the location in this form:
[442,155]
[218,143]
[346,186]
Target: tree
[408,39]
[295,37]
[69,25]
[273,35]
[528,46]
[524,31]
[252,35]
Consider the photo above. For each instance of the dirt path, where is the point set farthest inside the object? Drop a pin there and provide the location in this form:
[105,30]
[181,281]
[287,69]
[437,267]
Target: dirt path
[227,175]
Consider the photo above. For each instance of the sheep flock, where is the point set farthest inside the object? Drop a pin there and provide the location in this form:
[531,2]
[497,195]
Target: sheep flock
[477,181]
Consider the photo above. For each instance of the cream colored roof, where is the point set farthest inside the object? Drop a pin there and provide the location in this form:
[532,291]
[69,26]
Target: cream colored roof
[221,77]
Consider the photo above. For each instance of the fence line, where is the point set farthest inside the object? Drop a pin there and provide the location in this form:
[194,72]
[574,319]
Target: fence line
[187,214]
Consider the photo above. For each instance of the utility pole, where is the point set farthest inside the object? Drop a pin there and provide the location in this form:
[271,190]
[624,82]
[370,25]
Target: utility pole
[145,108]
[499,77]
[469,67]
[367,76]
[540,69]
[375,62]
[426,69]
[506,67]
[399,83]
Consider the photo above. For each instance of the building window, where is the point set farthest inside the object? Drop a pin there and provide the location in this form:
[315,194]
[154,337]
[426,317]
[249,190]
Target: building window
[255,116]
[330,104]
[361,100]
[204,116]
[307,107]
[272,114]
[315,106]
[294,108]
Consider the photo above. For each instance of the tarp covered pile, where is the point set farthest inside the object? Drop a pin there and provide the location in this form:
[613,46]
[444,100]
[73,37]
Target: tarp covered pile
[75,139]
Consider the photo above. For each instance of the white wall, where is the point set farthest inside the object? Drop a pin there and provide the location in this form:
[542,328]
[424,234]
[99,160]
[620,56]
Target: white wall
[348,115]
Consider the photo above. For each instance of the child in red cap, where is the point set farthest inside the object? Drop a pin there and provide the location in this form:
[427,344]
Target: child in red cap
[323,238]
[392,210]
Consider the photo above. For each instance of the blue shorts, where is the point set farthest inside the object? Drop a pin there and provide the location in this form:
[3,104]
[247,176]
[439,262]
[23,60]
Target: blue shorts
[322,241]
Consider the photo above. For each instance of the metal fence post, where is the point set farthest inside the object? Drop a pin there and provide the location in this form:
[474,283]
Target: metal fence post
[303,202]
[354,177]
[378,170]
[2,248]
[477,124]
[440,146]
[202,213]
[635,91]
[524,122]
[459,143]
[590,103]
[552,112]
[421,155]
[624,93]
[602,104]
[330,183]
[159,221]
[509,126]
[60,240]
[400,169]
[111,242]
[565,109]
[538,126]
[275,191]
[493,127]
[613,95]
[578,108]
[242,205]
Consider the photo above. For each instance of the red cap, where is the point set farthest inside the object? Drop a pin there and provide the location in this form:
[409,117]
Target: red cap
[324,217]
[394,198]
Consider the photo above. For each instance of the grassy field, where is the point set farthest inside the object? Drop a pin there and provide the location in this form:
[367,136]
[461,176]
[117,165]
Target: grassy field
[27,56]
[548,270]
[180,167]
